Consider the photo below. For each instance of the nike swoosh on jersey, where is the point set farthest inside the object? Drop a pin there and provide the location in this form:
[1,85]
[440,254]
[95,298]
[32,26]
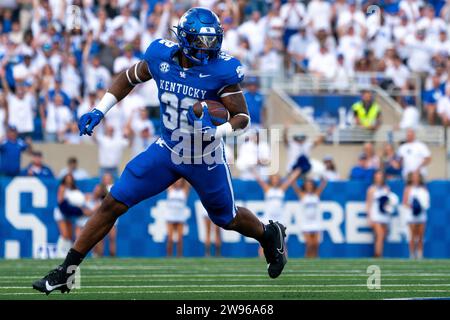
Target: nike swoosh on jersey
[201,75]
[210,168]
[51,288]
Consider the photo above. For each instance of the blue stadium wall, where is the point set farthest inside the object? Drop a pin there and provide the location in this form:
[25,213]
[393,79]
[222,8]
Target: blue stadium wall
[27,227]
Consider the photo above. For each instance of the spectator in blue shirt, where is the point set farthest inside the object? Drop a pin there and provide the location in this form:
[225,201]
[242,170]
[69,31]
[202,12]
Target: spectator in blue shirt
[361,171]
[57,90]
[255,101]
[36,168]
[10,153]
[430,98]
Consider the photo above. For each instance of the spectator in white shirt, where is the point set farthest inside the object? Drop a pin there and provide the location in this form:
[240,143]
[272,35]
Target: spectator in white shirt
[410,115]
[24,71]
[297,46]
[419,52]
[72,168]
[353,17]
[255,31]
[95,74]
[343,76]
[110,151]
[431,23]
[71,78]
[271,59]
[293,15]
[127,22]
[441,44]
[414,154]
[253,152]
[230,41]
[57,118]
[323,64]
[443,107]
[351,45]
[126,60]
[319,15]
[141,130]
[398,73]
[411,8]
[20,106]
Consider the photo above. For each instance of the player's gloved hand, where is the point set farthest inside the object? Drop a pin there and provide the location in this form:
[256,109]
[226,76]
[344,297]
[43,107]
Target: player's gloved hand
[88,121]
[206,125]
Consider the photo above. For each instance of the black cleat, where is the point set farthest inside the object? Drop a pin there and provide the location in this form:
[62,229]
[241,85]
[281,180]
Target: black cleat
[275,248]
[54,280]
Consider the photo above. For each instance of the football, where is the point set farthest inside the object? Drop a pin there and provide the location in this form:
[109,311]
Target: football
[215,109]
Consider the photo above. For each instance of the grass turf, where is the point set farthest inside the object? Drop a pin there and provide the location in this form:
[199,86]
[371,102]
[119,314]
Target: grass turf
[226,278]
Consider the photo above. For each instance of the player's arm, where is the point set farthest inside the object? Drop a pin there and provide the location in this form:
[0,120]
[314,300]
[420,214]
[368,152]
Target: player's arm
[120,88]
[233,99]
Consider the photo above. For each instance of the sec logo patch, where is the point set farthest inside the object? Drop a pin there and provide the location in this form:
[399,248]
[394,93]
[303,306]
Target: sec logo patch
[164,67]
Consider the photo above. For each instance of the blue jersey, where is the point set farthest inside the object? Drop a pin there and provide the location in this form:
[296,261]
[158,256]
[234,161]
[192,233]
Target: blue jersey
[180,88]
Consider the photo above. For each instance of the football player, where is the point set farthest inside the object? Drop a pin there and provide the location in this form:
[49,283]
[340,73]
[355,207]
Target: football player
[192,70]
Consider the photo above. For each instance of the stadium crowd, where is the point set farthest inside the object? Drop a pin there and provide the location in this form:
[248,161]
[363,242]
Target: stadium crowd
[57,58]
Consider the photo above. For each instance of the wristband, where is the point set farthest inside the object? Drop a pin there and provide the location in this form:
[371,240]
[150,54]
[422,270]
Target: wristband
[107,102]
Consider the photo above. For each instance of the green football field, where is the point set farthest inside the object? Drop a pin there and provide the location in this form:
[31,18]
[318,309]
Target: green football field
[224,278]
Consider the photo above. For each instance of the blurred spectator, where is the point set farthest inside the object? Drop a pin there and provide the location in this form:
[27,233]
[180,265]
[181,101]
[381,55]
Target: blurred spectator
[56,119]
[255,102]
[419,52]
[100,192]
[432,96]
[353,17]
[37,168]
[20,106]
[367,113]
[343,76]
[319,14]
[373,161]
[253,152]
[443,107]
[110,151]
[141,130]
[72,168]
[391,162]
[126,60]
[299,149]
[293,15]
[254,31]
[361,171]
[414,154]
[323,64]
[297,46]
[11,149]
[410,115]
[330,173]
[399,73]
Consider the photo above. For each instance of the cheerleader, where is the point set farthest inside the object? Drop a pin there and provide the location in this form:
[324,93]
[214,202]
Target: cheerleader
[211,228]
[70,210]
[274,191]
[309,196]
[177,195]
[417,199]
[100,192]
[380,204]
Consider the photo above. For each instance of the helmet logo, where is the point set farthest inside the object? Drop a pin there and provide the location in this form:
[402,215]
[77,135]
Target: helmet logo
[240,71]
[164,67]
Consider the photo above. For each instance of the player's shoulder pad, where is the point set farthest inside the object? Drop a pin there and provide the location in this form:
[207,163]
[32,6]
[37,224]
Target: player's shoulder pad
[160,50]
[228,69]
